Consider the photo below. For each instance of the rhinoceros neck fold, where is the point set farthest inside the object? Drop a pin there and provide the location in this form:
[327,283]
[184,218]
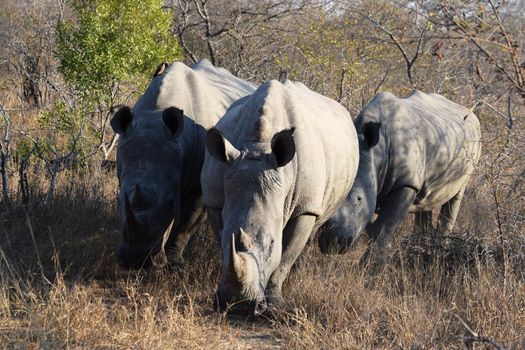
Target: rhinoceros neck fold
[380,164]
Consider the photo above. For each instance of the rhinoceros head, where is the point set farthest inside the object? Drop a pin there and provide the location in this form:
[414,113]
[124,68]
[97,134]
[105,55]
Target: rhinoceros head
[148,167]
[256,184]
[337,235]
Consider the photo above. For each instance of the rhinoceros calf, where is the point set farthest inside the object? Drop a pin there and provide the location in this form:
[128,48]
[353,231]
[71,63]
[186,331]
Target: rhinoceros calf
[416,155]
[160,155]
[279,164]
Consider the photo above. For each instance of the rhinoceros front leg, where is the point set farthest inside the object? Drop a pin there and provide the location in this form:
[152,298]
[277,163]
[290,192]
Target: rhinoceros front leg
[215,220]
[295,236]
[186,232]
[449,212]
[393,209]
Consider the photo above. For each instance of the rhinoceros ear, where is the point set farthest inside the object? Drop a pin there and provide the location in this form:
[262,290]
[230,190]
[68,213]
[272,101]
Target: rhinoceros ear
[121,120]
[220,148]
[283,147]
[160,69]
[173,117]
[371,133]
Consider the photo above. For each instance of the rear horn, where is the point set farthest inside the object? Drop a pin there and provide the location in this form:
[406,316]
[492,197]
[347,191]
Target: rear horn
[137,197]
[235,260]
[131,222]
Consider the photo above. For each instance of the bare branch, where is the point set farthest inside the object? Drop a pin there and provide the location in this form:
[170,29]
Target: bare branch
[5,154]
[510,45]
[382,81]
[508,117]
[510,121]
[182,26]
[515,79]
[203,13]
[410,62]
[341,85]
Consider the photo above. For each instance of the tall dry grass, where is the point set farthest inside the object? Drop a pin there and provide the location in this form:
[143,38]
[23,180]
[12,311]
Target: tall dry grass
[60,287]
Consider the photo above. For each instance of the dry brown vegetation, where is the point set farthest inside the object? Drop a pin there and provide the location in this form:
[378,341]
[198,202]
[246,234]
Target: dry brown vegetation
[60,286]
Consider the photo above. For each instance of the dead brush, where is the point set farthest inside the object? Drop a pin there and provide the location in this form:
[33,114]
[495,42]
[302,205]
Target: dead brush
[82,300]
[455,251]
[423,249]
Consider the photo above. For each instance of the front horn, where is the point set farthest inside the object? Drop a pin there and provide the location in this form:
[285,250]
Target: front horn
[161,259]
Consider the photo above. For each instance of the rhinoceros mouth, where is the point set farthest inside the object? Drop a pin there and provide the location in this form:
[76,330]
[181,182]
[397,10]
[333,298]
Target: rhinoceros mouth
[134,258]
[143,255]
[239,306]
[335,243]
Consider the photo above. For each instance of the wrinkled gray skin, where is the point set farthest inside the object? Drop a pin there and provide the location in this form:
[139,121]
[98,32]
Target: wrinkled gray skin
[279,164]
[416,155]
[160,155]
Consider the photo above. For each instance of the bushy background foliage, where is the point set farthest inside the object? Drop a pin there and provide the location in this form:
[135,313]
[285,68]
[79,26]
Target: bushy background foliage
[111,42]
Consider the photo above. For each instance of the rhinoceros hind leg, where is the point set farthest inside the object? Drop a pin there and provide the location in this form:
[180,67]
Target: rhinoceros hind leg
[295,235]
[423,221]
[449,212]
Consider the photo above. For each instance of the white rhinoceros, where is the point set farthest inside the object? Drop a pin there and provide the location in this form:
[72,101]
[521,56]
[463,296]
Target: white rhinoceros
[416,155]
[279,164]
[160,155]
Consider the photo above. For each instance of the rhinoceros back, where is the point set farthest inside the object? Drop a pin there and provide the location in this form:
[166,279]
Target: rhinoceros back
[327,153]
[203,91]
[428,143]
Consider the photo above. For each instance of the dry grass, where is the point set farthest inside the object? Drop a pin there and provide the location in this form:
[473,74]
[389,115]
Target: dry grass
[338,305]
[60,288]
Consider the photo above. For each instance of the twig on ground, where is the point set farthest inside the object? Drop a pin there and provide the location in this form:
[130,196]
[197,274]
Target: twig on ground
[474,337]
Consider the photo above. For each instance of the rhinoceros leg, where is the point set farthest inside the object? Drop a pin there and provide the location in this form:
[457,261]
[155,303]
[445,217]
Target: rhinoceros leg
[423,221]
[185,232]
[215,220]
[295,236]
[394,208]
[449,212]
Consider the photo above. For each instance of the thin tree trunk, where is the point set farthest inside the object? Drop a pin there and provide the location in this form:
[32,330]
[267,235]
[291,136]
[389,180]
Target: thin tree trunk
[24,185]
[51,192]
[5,193]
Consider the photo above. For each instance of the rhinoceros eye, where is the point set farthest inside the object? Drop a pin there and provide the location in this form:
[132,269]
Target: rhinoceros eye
[271,247]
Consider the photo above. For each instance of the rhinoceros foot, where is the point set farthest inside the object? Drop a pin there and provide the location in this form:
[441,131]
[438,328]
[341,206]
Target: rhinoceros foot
[160,260]
[236,305]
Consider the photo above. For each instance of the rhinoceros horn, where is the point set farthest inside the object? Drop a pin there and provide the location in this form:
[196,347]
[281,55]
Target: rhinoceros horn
[235,260]
[137,197]
[161,259]
[245,240]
